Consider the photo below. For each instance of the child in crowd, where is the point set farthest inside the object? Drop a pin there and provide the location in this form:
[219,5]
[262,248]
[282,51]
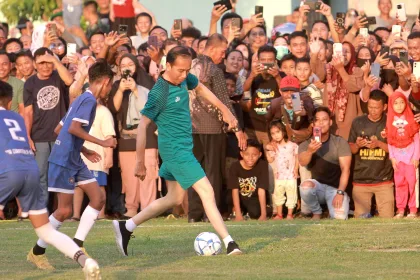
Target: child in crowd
[404,152]
[248,180]
[287,64]
[304,73]
[284,154]
[102,128]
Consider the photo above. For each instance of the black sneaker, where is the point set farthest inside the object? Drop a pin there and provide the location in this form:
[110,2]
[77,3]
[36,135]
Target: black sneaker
[122,236]
[233,249]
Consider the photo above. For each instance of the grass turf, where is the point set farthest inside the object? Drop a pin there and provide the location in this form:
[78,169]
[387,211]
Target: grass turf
[300,249]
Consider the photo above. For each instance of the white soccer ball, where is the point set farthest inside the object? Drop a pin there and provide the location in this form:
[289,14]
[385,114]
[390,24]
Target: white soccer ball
[207,244]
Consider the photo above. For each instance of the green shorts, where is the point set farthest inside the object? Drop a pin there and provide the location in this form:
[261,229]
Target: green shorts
[185,170]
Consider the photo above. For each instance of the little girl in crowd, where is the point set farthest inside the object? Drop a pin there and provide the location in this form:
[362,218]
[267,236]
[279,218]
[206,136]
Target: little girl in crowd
[284,155]
[404,152]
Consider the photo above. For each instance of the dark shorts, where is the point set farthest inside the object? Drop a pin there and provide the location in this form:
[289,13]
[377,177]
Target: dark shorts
[23,184]
[185,170]
[64,180]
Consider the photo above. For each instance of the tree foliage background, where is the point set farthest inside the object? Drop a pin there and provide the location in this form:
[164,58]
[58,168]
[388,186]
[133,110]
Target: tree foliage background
[32,9]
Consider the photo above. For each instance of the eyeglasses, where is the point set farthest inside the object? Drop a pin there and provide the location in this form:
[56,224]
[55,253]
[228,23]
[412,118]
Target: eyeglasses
[255,34]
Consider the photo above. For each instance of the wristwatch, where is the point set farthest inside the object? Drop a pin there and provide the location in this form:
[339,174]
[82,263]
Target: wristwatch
[340,192]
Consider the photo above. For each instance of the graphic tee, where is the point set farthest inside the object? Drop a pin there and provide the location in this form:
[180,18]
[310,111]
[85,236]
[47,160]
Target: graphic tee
[50,100]
[248,181]
[372,166]
[263,91]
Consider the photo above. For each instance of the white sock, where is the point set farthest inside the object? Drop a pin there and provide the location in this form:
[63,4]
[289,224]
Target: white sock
[130,225]
[59,240]
[86,223]
[56,224]
[227,239]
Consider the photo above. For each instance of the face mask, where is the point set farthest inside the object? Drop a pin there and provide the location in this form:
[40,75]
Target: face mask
[361,62]
[281,51]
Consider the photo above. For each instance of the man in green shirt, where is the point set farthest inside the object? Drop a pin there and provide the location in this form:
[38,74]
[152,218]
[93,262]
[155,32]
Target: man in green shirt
[168,107]
[17,85]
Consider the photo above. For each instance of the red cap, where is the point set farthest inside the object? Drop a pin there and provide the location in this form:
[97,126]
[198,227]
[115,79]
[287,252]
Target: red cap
[289,83]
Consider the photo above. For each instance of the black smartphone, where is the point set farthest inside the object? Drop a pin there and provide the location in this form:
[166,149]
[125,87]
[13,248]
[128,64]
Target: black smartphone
[122,29]
[259,10]
[340,19]
[267,66]
[227,4]
[371,20]
[385,49]
[153,41]
[178,24]
[318,6]
[404,57]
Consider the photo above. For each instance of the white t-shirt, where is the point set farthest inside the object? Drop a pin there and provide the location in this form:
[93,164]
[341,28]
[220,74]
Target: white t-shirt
[138,40]
[102,127]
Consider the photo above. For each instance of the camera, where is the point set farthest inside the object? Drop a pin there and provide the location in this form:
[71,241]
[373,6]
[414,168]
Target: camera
[399,6]
[126,74]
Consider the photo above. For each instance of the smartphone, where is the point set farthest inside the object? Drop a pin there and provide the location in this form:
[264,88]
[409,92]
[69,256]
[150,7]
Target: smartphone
[259,10]
[226,3]
[122,29]
[267,66]
[364,32]
[385,49]
[317,134]
[340,19]
[396,29]
[178,24]
[375,69]
[404,57]
[53,29]
[236,23]
[297,106]
[71,49]
[318,6]
[416,69]
[371,20]
[337,49]
[153,41]
[401,14]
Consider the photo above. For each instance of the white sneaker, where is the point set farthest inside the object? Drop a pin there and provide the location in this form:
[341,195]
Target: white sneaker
[91,270]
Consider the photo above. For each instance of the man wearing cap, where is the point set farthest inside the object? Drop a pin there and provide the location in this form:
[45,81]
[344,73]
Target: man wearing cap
[263,82]
[298,123]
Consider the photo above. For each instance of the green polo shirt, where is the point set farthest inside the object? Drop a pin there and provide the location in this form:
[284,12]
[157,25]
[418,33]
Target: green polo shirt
[17,99]
[168,106]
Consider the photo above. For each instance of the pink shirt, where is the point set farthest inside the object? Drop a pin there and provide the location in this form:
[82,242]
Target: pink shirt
[285,161]
[406,154]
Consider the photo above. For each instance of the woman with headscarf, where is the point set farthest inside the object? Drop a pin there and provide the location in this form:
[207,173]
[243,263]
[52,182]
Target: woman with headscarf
[126,99]
[344,82]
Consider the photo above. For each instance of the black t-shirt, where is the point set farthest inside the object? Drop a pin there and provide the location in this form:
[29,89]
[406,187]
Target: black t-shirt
[248,181]
[50,101]
[325,165]
[372,166]
[262,91]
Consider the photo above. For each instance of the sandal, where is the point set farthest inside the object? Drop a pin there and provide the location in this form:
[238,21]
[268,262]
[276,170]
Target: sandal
[412,216]
[399,216]
[74,219]
[289,217]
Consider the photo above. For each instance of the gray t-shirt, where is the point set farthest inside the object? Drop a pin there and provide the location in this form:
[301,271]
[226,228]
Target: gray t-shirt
[325,165]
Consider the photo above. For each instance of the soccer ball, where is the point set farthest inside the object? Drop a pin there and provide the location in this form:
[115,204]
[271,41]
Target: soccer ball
[207,244]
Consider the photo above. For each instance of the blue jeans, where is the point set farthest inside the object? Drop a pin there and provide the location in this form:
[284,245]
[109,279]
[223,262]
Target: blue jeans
[43,151]
[323,194]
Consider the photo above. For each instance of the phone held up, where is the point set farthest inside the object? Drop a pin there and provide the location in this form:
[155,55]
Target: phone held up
[317,134]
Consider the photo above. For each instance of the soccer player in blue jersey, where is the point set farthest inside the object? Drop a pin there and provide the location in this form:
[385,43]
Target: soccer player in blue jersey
[66,167]
[168,107]
[19,177]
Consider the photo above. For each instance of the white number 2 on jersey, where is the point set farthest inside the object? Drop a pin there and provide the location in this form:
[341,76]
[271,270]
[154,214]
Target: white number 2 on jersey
[14,128]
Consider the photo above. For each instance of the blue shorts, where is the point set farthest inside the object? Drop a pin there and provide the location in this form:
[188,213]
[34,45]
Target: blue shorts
[23,184]
[185,170]
[101,177]
[64,180]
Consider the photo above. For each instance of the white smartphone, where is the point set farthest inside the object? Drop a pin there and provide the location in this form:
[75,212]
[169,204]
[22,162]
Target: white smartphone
[338,49]
[364,32]
[297,106]
[396,29]
[71,49]
[416,70]
[401,14]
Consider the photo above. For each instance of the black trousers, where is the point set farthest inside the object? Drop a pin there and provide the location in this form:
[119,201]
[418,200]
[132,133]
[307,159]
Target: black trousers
[114,197]
[210,152]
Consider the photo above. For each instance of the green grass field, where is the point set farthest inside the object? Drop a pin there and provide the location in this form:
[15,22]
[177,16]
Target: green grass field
[300,249]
